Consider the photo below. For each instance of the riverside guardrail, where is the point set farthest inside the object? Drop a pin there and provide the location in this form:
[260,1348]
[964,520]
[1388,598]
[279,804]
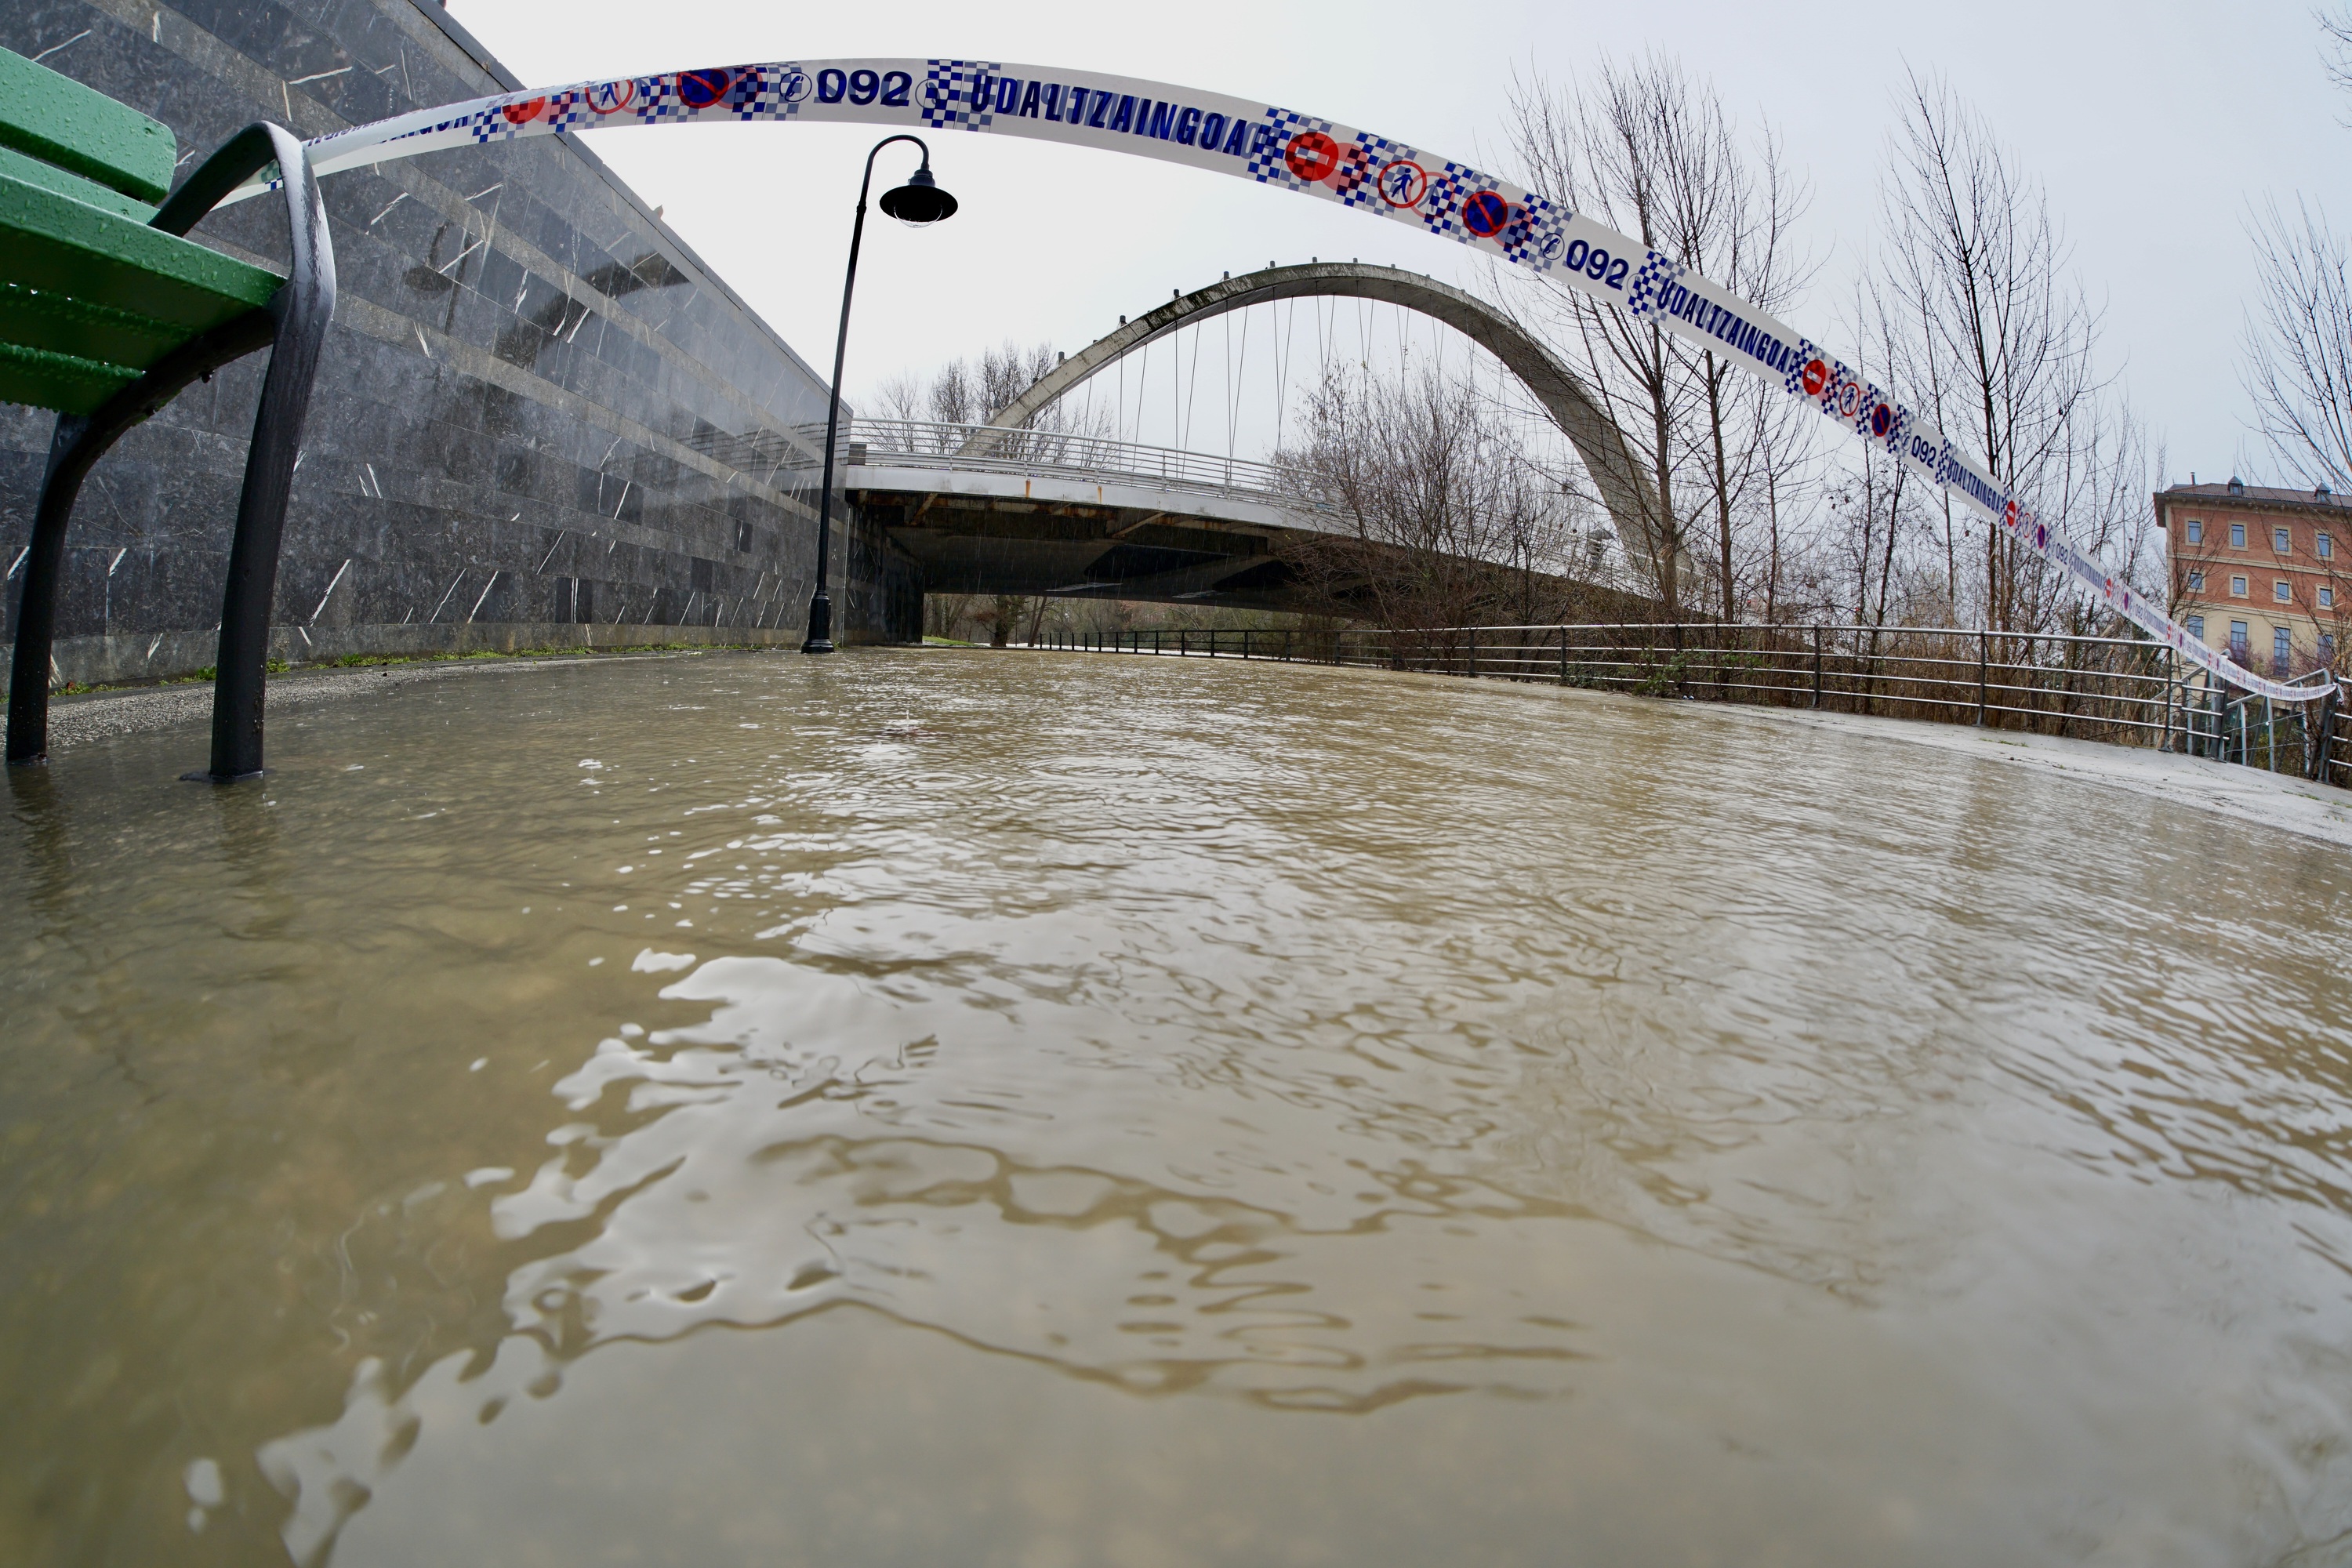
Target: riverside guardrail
[2124,690]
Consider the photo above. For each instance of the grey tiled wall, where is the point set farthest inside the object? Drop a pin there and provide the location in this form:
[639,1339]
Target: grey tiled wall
[537,408]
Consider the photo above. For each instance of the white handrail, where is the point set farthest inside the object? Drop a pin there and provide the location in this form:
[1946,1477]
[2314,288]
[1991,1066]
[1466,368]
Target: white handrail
[939,445]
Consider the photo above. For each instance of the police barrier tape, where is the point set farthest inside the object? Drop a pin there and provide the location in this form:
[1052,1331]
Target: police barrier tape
[1277,147]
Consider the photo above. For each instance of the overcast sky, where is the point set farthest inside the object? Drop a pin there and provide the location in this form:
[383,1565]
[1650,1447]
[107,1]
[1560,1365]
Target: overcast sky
[2156,125]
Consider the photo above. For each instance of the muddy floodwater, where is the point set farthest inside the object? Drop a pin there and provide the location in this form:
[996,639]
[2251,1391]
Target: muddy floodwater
[969,1108]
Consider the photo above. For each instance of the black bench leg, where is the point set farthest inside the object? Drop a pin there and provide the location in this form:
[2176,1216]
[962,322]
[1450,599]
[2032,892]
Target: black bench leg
[37,603]
[304,309]
[297,318]
[79,442]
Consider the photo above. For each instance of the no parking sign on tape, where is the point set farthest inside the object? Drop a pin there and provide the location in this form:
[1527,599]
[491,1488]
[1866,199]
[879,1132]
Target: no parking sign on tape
[1485,214]
[704,88]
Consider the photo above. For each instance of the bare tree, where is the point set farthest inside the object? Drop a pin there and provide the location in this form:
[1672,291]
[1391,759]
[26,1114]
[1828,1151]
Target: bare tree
[1730,220]
[2337,50]
[2003,356]
[1875,502]
[1652,152]
[1605,152]
[1445,522]
[2298,345]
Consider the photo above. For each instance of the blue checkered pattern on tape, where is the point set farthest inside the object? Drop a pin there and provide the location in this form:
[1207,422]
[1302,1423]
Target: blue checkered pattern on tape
[1650,284]
[1269,160]
[1793,384]
[1834,386]
[946,97]
[792,85]
[1357,181]
[753,93]
[1535,237]
[1447,189]
[1865,410]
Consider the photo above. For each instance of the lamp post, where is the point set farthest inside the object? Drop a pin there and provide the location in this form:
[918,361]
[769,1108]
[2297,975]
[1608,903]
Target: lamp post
[918,203]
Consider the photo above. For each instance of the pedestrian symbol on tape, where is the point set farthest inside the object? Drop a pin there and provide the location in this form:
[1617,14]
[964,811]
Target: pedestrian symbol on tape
[702,88]
[1403,184]
[1485,214]
[611,97]
[1312,156]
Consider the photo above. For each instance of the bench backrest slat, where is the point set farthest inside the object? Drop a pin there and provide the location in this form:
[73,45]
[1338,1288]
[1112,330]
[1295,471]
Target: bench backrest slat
[16,165]
[61,122]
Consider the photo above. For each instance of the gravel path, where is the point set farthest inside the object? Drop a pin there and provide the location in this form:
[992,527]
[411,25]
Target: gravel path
[2297,805]
[80,721]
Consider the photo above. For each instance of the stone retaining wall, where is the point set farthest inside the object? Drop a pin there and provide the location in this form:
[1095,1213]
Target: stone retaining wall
[538,408]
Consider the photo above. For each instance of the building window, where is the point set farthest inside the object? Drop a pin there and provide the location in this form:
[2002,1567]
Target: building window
[2327,649]
[2195,624]
[2237,641]
[2197,531]
[2282,647]
[2281,592]
[2237,587]
[2237,536]
[2327,548]
[2327,598]
[2279,540]
[2197,582]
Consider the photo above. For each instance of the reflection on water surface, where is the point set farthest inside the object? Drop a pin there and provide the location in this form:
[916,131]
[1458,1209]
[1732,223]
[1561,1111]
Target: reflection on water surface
[967,1107]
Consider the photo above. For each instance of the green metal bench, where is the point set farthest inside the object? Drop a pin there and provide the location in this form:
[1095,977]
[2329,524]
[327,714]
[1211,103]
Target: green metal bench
[107,312]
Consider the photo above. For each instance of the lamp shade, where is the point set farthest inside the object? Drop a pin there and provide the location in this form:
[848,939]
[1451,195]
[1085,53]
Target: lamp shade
[919,201]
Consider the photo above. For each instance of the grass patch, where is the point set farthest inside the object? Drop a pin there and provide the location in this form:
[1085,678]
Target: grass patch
[364,660]
[1668,680]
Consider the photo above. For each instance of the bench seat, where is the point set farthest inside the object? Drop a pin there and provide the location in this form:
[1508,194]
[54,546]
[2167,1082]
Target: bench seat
[107,312]
[89,295]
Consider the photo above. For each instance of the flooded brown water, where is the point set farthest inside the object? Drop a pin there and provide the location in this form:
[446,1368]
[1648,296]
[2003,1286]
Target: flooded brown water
[955,1108]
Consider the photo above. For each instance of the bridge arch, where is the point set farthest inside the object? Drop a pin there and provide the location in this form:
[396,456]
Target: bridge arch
[1617,475]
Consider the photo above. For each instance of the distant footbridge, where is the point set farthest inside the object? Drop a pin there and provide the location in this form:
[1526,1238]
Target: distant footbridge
[1001,509]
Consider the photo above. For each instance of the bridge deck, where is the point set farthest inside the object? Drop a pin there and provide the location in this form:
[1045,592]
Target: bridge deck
[988,510]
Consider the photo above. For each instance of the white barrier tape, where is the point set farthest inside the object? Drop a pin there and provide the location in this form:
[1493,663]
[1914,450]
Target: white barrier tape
[1277,147]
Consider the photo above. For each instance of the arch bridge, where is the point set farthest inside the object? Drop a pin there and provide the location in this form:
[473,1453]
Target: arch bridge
[1000,509]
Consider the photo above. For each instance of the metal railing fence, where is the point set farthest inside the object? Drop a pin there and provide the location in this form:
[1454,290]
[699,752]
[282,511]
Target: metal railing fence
[1592,556]
[2123,691]
[984,448]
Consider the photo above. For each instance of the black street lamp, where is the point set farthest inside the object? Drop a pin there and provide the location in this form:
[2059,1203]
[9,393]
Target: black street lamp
[918,203]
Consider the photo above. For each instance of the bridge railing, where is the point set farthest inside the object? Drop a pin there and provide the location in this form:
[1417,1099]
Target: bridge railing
[2119,690]
[986,449]
[953,447]
[1594,557]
